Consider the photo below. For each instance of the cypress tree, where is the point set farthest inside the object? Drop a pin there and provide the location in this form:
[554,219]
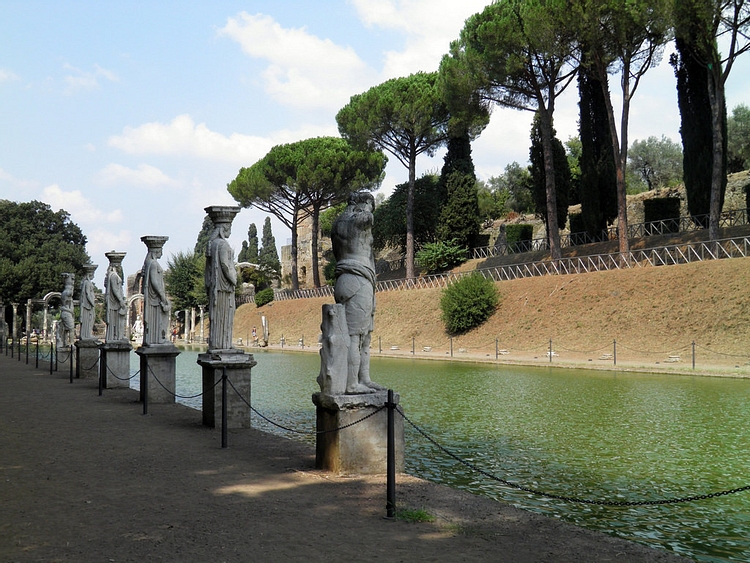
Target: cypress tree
[598,183]
[459,216]
[268,257]
[562,176]
[252,244]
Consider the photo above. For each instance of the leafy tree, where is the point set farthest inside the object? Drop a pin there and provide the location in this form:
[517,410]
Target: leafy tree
[625,37]
[201,244]
[459,216]
[405,117]
[513,187]
[738,139]
[573,149]
[598,171]
[263,297]
[268,257]
[656,162]
[518,54]
[249,252]
[328,216]
[389,223]
[698,25]
[539,181]
[184,279]
[467,303]
[37,245]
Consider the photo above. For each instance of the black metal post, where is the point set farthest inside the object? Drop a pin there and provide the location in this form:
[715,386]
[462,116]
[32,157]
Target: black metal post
[19,349]
[27,349]
[550,350]
[70,360]
[57,353]
[380,345]
[391,460]
[144,382]
[224,407]
[614,352]
[693,354]
[12,344]
[412,345]
[497,352]
[102,370]
[37,354]
[451,346]
[51,356]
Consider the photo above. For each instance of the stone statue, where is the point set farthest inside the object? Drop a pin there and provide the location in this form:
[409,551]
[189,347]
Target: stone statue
[334,350]
[220,278]
[88,303]
[66,328]
[351,235]
[156,306]
[117,306]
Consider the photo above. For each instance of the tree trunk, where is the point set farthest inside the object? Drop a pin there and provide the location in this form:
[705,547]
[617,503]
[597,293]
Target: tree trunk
[553,230]
[409,258]
[716,97]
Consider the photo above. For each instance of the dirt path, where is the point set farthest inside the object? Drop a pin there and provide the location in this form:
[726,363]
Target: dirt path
[85,478]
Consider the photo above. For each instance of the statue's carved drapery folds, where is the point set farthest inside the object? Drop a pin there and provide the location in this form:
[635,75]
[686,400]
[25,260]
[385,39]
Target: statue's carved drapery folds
[88,302]
[117,306]
[220,277]
[156,306]
[66,327]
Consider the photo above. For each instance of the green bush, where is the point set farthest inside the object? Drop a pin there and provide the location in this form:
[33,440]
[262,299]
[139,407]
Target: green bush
[329,272]
[467,303]
[264,296]
[439,256]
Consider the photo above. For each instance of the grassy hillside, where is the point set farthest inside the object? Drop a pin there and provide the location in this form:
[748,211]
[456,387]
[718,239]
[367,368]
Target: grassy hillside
[654,314]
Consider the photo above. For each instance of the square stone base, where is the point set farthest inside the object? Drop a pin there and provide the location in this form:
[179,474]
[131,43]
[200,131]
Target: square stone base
[114,364]
[238,366]
[158,363]
[87,359]
[362,448]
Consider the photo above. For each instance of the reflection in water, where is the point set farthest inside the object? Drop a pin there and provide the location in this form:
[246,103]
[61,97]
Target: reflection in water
[588,434]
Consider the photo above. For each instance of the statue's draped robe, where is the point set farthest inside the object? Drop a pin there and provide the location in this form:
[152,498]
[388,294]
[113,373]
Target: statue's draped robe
[221,279]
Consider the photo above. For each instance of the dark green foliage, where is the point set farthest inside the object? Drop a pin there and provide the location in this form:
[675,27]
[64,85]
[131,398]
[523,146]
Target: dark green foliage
[329,271]
[37,245]
[517,237]
[655,163]
[442,255]
[738,142]
[663,209]
[389,226]
[328,216]
[459,216]
[185,280]
[268,257]
[562,175]
[577,229]
[467,303]
[263,297]
[252,244]
[597,189]
[201,245]
[696,128]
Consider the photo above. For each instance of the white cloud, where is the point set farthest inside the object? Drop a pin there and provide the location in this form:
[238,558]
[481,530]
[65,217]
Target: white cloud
[428,27]
[81,80]
[182,136]
[80,208]
[7,75]
[144,176]
[101,241]
[304,70]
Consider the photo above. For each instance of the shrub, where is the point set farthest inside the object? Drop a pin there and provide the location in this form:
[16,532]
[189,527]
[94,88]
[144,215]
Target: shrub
[467,303]
[438,256]
[264,296]
[519,237]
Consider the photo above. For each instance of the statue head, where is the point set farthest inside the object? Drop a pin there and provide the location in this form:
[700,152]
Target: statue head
[222,216]
[154,244]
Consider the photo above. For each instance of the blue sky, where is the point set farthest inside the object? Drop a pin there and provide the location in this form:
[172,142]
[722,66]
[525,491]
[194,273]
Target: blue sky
[134,116]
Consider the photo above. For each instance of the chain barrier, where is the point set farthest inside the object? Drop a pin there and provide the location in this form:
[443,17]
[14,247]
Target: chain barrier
[113,374]
[175,394]
[296,431]
[92,366]
[564,498]
[647,352]
[574,351]
[745,356]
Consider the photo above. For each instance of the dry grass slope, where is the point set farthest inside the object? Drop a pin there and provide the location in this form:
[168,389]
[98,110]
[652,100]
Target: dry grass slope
[658,310]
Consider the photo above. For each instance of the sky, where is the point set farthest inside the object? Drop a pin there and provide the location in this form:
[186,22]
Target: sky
[133,116]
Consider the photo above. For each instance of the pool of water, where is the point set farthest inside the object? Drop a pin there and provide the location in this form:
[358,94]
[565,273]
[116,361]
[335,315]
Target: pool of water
[575,433]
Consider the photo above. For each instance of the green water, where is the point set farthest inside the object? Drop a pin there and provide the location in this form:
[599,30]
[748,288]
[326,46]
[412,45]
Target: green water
[576,433]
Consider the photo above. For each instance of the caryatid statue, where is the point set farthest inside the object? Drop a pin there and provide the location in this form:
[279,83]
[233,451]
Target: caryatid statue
[88,302]
[220,277]
[351,235]
[66,328]
[117,306]
[156,306]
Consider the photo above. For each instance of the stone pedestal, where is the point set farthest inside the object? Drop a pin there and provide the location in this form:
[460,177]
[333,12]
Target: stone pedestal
[114,364]
[361,448]
[158,362]
[238,366]
[87,358]
[66,357]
